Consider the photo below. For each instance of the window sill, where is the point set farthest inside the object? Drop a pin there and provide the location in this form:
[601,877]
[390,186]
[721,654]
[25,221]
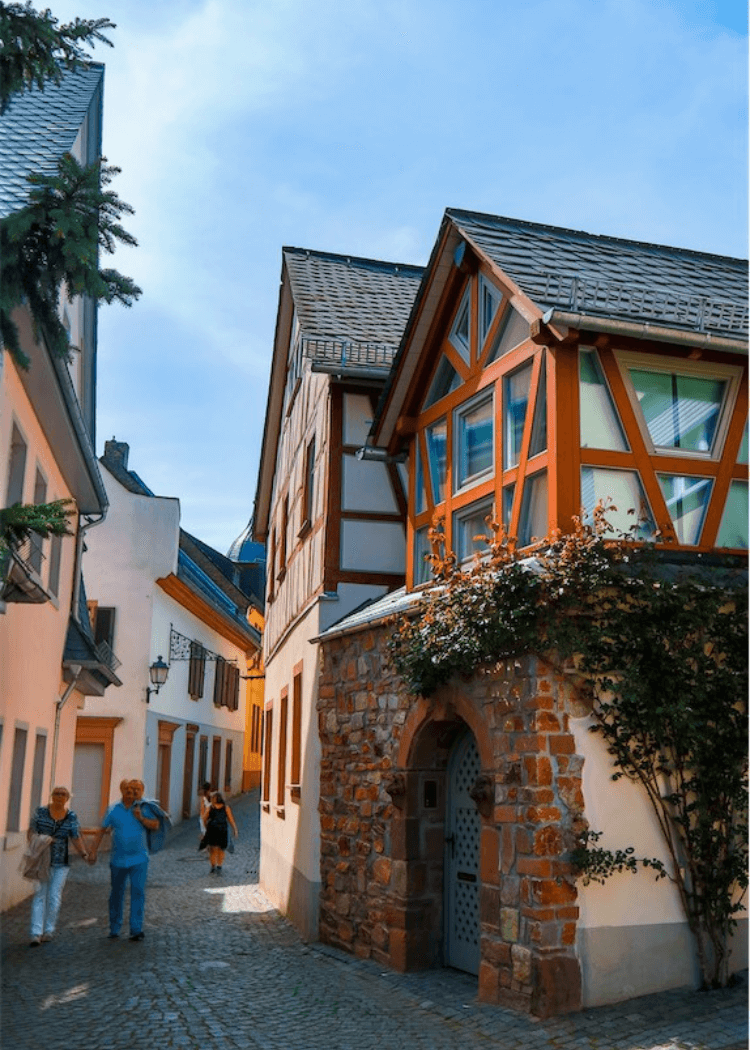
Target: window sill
[305,527]
[295,792]
[280,575]
[265,806]
[280,813]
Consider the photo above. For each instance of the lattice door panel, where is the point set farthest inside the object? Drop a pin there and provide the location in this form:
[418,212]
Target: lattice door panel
[462,859]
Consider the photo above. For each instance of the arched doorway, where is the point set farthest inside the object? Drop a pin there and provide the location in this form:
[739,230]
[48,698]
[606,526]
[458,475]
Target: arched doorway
[462,837]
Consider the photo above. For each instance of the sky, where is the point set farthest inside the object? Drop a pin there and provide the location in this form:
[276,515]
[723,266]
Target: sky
[243,126]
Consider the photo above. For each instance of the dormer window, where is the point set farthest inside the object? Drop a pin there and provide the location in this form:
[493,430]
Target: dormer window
[489,303]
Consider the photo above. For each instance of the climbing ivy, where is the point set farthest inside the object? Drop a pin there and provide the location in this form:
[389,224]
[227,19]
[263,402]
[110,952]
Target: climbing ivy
[659,652]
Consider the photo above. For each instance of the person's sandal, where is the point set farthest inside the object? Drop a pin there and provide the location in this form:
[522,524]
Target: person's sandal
[35,942]
[46,937]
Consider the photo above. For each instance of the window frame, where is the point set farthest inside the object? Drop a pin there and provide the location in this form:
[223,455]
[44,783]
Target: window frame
[461,515]
[686,367]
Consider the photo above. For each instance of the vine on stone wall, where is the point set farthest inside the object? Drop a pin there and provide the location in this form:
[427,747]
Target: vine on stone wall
[660,653]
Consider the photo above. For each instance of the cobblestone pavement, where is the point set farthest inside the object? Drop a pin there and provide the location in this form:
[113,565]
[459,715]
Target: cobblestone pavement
[221,969]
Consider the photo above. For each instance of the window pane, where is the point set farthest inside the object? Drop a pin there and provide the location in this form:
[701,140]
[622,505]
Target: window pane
[460,333]
[516,399]
[539,426]
[489,300]
[437,436]
[475,440]
[470,524]
[600,425]
[623,488]
[420,501]
[514,329]
[422,568]
[533,522]
[687,500]
[445,381]
[680,411]
[733,530]
[508,493]
[742,454]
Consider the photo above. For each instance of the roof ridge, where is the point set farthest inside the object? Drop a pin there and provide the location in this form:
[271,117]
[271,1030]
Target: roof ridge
[535,227]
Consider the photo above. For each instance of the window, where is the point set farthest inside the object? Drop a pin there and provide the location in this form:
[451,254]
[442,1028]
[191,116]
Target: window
[475,434]
[308,498]
[420,496]
[682,410]
[733,529]
[513,330]
[437,438]
[533,523]
[489,302]
[444,382]
[600,424]
[687,501]
[508,493]
[226,685]
[471,532]
[37,541]
[16,468]
[281,768]
[516,399]
[460,333]
[203,760]
[228,767]
[272,564]
[104,625]
[16,780]
[219,680]
[197,671]
[215,762]
[538,441]
[37,774]
[422,567]
[742,454]
[55,554]
[296,771]
[623,488]
[255,728]
[267,739]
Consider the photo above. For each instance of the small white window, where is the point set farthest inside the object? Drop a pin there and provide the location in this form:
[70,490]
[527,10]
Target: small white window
[600,423]
[623,492]
[489,303]
[687,501]
[460,333]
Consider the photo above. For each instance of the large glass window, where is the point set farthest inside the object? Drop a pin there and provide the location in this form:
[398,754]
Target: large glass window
[623,492]
[515,403]
[533,523]
[680,411]
[475,433]
[733,529]
[600,424]
[437,454]
[538,441]
[687,501]
[471,532]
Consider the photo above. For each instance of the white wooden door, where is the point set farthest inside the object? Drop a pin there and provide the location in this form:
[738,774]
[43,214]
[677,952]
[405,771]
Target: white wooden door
[462,858]
[88,765]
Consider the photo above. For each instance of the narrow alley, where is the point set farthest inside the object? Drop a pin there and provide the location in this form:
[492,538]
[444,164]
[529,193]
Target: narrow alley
[221,969]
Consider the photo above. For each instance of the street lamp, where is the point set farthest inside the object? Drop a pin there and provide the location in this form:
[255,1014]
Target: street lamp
[158,672]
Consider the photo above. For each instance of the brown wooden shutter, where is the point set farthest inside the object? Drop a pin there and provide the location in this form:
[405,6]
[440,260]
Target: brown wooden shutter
[197,674]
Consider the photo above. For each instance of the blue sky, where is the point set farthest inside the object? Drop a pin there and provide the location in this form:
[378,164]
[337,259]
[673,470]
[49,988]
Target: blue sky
[349,126]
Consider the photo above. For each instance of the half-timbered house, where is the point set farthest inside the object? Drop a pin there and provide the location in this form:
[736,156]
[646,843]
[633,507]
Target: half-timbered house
[541,370]
[333,524]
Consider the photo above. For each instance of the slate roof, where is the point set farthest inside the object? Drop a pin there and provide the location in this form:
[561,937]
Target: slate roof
[611,277]
[38,127]
[343,297]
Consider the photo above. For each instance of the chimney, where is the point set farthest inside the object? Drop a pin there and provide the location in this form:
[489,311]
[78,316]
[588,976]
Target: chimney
[116,453]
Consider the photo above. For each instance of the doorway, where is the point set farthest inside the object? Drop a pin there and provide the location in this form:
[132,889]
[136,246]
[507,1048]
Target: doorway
[462,838]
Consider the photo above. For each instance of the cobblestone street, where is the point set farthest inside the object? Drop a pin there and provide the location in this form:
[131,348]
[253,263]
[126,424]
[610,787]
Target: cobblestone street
[221,969]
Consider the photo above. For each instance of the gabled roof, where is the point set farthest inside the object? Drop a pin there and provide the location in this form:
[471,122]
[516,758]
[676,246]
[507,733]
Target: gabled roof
[338,300]
[570,278]
[338,296]
[572,270]
[38,127]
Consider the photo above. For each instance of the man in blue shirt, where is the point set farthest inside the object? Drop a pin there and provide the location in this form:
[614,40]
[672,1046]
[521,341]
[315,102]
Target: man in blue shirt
[128,860]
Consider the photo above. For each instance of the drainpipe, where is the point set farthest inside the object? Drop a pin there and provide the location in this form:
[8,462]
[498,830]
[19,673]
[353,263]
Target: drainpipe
[59,705]
[78,565]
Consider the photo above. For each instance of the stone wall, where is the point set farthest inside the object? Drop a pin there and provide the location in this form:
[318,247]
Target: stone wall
[382,847]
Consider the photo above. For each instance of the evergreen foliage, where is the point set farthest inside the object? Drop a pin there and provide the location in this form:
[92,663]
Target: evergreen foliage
[35,48]
[662,659]
[55,241]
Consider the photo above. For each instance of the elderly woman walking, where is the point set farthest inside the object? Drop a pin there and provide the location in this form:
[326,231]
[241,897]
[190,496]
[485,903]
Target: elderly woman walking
[61,824]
